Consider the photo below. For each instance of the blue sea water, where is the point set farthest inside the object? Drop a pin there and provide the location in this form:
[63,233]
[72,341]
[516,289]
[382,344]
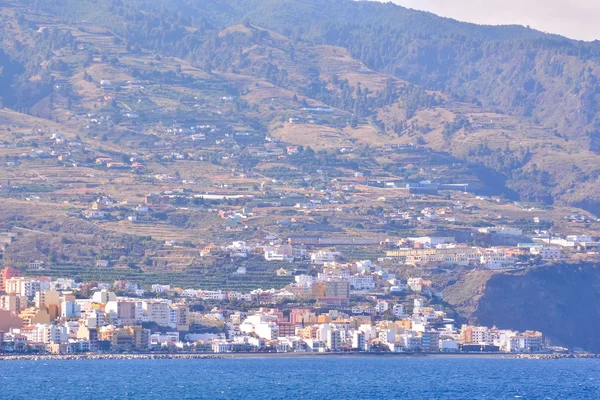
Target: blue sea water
[302,378]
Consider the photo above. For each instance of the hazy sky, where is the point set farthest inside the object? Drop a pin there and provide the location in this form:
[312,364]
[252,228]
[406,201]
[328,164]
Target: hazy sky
[577,19]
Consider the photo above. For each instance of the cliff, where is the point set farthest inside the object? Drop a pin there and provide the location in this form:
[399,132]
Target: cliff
[561,301]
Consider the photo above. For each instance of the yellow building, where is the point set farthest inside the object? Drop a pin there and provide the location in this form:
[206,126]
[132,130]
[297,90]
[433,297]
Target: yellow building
[106,333]
[140,336]
[309,332]
[130,337]
[33,316]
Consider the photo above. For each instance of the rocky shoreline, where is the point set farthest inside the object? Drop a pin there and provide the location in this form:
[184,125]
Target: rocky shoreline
[43,357]
[204,356]
[557,356]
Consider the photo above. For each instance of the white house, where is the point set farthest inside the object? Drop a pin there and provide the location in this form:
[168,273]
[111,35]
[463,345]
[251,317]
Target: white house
[547,253]
[322,257]
[579,238]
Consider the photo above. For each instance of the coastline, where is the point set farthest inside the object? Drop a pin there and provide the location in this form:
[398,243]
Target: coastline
[223,356]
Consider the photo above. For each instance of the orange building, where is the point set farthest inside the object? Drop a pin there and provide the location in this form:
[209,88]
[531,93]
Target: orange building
[324,319]
[405,323]
[297,315]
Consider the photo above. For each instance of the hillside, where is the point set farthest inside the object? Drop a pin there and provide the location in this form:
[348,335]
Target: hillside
[517,70]
[508,89]
[533,161]
[147,145]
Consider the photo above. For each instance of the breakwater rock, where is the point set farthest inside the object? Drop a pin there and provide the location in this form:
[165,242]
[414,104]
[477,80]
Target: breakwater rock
[557,356]
[43,357]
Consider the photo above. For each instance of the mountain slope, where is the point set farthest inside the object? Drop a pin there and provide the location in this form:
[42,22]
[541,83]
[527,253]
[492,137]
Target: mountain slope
[522,150]
[547,78]
[533,161]
[545,299]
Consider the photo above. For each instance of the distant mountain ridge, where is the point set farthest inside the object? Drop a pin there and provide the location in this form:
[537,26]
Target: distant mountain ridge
[546,84]
[518,70]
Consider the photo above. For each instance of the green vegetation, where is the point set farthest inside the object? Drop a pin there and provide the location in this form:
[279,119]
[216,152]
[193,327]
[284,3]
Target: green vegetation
[548,81]
[212,279]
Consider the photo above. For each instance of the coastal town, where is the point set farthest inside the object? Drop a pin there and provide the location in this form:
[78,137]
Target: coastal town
[311,315]
[302,294]
[265,199]
[254,199]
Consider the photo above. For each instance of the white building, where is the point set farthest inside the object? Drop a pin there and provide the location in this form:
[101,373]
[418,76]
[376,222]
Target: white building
[161,288]
[315,346]
[502,230]
[579,238]
[547,253]
[322,257]
[398,310]
[94,318]
[264,326]
[24,287]
[163,339]
[369,331]
[417,305]
[387,336]
[362,282]
[279,253]
[382,306]
[213,295]
[45,333]
[364,266]
[334,340]
[496,259]
[63,284]
[448,346]
[358,341]
[69,309]
[410,342]
[104,296]
[305,281]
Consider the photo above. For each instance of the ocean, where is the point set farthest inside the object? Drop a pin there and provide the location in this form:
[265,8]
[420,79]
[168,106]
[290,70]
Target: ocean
[322,378]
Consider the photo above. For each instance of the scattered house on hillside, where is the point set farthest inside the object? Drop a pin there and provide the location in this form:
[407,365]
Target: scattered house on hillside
[279,253]
[283,272]
[116,165]
[142,209]
[103,160]
[93,214]
[291,149]
[36,265]
[241,271]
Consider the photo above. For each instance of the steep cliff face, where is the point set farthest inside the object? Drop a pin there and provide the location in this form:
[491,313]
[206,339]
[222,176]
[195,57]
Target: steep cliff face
[561,301]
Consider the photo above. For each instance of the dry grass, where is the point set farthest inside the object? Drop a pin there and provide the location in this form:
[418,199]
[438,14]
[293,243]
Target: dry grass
[323,137]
